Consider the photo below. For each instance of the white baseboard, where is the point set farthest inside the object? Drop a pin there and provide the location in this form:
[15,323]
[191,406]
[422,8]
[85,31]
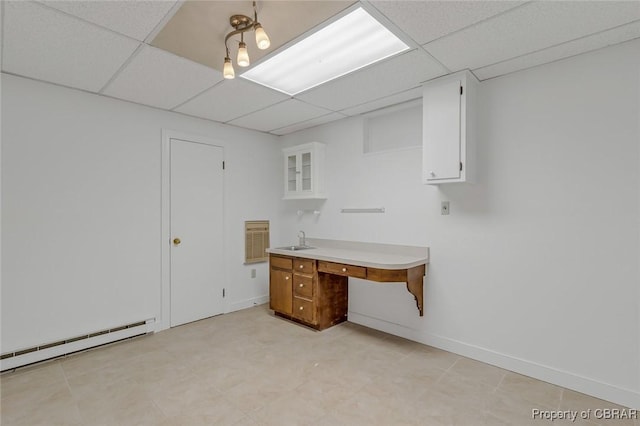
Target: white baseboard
[608,392]
[248,303]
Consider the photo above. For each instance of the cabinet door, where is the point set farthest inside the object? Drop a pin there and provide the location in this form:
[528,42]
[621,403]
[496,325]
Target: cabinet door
[280,291]
[291,168]
[442,131]
[306,177]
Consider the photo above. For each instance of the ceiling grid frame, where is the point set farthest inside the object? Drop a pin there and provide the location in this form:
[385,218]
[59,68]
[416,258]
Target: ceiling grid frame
[589,37]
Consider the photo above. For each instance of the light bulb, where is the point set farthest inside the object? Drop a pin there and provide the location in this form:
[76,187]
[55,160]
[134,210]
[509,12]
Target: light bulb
[262,39]
[243,55]
[228,71]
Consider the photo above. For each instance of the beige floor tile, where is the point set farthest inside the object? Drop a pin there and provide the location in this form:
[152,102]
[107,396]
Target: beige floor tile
[371,406]
[531,390]
[470,392]
[477,370]
[291,408]
[197,401]
[47,404]
[428,356]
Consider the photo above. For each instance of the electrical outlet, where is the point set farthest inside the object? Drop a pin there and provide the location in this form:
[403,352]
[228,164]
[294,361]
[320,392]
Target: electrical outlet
[444,208]
[253,273]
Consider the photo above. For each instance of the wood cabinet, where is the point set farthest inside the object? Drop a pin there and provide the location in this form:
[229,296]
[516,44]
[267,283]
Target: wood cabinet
[280,289]
[315,292]
[299,293]
[304,171]
[448,131]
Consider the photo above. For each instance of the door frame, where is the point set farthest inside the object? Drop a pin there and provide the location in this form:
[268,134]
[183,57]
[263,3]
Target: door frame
[165,233]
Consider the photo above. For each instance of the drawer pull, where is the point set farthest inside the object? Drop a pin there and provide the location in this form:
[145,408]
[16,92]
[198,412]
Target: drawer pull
[344,269]
[301,285]
[301,266]
[301,308]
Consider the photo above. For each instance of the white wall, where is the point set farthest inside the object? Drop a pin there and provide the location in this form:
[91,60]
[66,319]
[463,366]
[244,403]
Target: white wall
[536,268]
[81,197]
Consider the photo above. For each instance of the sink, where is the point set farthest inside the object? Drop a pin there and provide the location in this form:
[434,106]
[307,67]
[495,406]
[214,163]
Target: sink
[294,248]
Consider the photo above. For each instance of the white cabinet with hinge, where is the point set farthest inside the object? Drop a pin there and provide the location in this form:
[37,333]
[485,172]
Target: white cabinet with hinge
[304,171]
[448,129]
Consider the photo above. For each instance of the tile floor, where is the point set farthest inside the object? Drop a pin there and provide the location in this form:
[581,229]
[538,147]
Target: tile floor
[251,368]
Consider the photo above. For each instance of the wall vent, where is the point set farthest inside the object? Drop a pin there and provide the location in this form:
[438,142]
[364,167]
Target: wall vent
[256,241]
[11,360]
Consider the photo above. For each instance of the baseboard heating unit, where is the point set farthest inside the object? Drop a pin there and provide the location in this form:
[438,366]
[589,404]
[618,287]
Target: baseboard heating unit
[11,360]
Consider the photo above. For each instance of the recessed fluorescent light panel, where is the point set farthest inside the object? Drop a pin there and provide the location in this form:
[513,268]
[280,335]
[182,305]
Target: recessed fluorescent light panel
[350,43]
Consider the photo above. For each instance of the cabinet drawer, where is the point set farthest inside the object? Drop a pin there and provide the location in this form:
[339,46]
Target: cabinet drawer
[303,310]
[303,286]
[281,262]
[341,269]
[304,266]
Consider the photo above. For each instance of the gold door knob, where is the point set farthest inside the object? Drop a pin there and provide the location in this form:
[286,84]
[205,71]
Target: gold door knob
[176,241]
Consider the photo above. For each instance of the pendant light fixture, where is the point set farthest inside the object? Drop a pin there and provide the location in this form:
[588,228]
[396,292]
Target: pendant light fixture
[242,24]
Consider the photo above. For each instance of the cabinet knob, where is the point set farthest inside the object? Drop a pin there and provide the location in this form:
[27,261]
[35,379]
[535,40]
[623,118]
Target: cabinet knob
[432,173]
[301,285]
[301,308]
[344,269]
[301,266]
[286,278]
[176,241]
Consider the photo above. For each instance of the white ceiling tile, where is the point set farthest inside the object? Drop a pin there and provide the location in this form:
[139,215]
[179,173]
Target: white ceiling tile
[575,47]
[400,73]
[280,115]
[133,18]
[231,99]
[425,21]
[529,28]
[309,123]
[48,45]
[161,79]
[395,99]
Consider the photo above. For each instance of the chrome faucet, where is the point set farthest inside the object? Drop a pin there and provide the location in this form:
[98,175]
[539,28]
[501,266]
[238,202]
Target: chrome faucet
[302,239]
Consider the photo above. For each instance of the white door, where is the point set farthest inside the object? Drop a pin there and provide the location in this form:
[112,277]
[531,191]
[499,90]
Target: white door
[196,227]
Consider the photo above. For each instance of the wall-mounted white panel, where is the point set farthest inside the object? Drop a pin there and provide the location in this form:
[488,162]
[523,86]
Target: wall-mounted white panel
[510,34]
[132,18]
[231,99]
[564,50]
[397,74]
[161,79]
[425,21]
[280,115]
[49,45]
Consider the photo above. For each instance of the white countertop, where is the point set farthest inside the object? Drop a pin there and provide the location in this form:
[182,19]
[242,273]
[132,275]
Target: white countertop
[373,255]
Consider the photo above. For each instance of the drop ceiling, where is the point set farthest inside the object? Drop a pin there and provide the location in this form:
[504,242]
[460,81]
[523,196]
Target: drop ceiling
[167,54]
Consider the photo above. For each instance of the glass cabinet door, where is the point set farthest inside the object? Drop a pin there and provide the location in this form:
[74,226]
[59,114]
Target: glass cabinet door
[292,173]
[306,171]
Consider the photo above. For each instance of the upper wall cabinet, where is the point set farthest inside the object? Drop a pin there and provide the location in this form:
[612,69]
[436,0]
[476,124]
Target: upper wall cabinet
[304,171]
[448,129]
